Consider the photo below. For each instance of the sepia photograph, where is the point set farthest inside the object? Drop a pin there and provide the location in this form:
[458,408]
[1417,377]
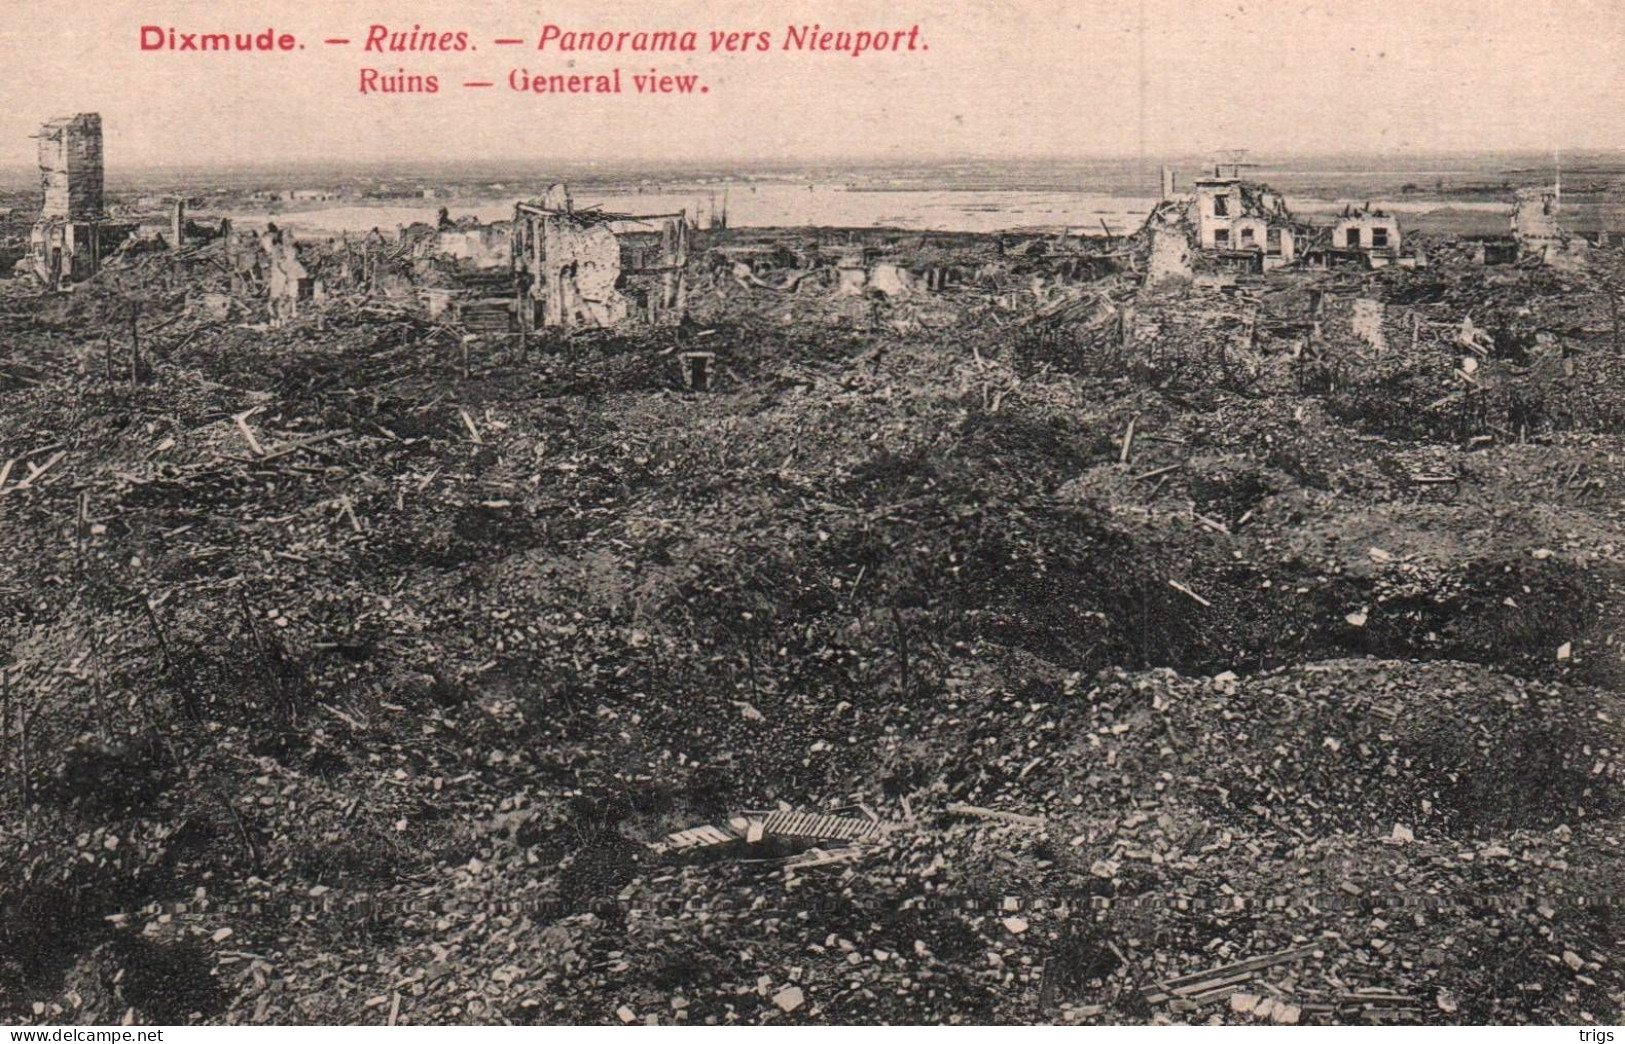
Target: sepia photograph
[1028,513]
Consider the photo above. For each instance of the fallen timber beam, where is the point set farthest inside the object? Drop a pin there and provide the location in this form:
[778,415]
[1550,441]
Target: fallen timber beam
[994,814]
[1224,975]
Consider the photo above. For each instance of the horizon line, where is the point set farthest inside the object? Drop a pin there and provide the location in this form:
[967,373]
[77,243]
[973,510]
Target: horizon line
[869,159]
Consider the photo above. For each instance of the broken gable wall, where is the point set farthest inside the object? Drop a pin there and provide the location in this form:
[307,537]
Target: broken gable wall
[1170,256]
[581,265]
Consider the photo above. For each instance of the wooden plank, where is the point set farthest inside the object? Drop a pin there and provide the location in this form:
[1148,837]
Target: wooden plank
[1210,977]
[241,420]
[995,814]
[35,472]
[1226,984]
[1217,982]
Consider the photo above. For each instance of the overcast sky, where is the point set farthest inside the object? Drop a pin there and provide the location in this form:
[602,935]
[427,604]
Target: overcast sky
[1018,77]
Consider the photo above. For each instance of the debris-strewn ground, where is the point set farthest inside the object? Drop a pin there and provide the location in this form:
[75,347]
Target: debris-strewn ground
[349,682]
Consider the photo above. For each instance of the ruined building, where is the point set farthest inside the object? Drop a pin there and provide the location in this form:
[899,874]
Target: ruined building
[70,161]
[588,268]
[1538,232]
[1372,234]
[1244,223]
[1364,236]
[68,241]
[1229,223]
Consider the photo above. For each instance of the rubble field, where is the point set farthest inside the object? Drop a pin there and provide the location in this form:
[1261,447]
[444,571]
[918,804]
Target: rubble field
[1035,646]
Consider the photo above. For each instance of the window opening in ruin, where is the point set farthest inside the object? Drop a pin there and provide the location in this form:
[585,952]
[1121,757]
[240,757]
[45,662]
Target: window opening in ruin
[697,367]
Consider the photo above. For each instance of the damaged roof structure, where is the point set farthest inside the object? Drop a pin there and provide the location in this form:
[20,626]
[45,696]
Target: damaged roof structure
[1228,222]
[1369,234]
[1244,221]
